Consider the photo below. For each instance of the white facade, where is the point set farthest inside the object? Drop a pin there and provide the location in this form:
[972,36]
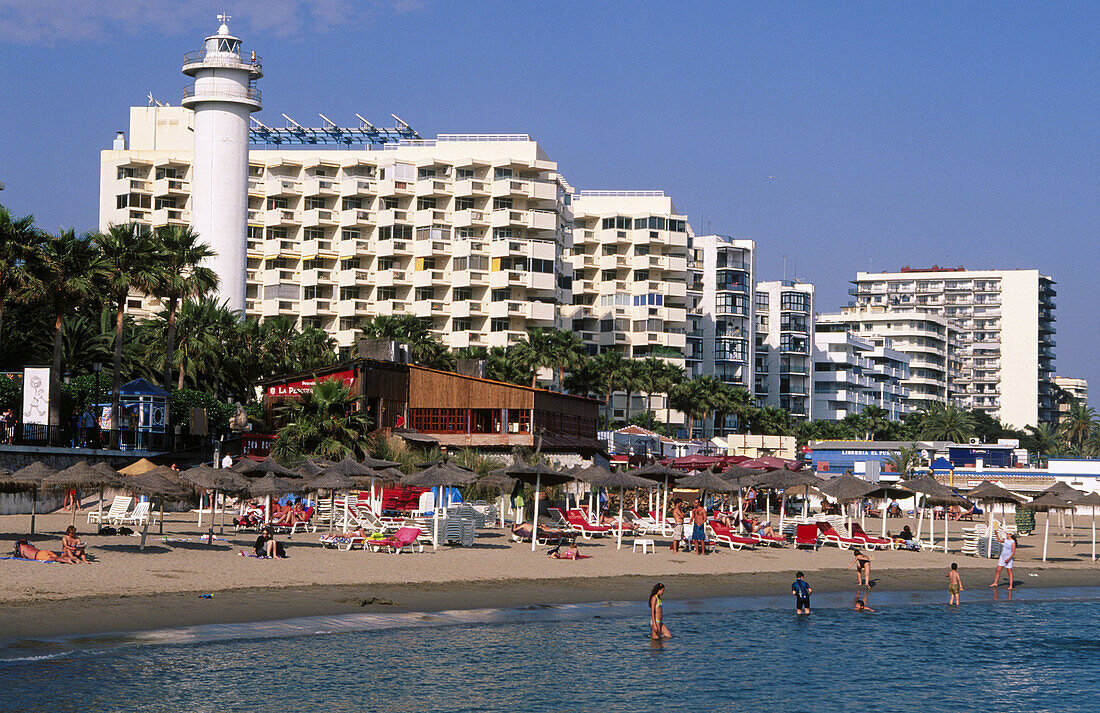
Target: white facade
[630,278]
[722,328]
[1006,322]
[852,373]
[785,321]
[222,97]
[930,341]
[469,231]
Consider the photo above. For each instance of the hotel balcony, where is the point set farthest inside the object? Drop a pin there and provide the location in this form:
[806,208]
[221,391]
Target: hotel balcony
[353,278]
[470,187]
[171,187]
[356,218]
[281,216]
[430,216]
[170,216]
[428,278]
[461,340]
[427,308]
[318,217]
[352,308]
[316,308]
[389,216]
[432,186]
[504,339]
[391,278]
[318,186]
[468,308]
[357,187]
[389,308]
[318,248]
[275,186]
[469,218]
[391,187]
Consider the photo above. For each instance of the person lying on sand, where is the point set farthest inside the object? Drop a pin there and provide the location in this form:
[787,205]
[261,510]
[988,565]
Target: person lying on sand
[27,551]
[569,553]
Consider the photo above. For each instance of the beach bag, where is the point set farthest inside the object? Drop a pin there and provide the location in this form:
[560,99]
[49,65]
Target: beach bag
[107,531]
[125,531]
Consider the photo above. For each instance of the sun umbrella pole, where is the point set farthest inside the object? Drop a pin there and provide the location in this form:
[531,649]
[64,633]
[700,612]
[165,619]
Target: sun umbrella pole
[920,514]
[160,524]
[1093,508]
[989,544]
[535,519]
[664,503]
[620,538]
[199,525]
[883,506]
[144,532]
[1046,535]
[782,508]
[946,529]
[213,499]
[34,507]
[99,508]
[435,526]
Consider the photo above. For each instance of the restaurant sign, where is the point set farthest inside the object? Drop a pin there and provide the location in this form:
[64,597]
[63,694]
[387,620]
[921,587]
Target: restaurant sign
[296,388]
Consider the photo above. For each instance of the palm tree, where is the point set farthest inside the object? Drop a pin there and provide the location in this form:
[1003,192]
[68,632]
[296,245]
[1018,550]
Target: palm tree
[502,364]
[129,260]
[539,350]
[61,275]
[1078,423]
[567,352]
[947,423]
[736,401]
[695,398]
[415,331]
[324,423]
[18,239]
[904,461]
[632,379]
[770,421]
[182,276]
[876,420]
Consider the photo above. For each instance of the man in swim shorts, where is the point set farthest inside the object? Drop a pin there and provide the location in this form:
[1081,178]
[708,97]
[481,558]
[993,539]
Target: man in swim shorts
[801,591]
[698,529]
[678,524]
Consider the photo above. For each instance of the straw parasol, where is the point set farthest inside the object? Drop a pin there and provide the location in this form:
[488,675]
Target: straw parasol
[1046,503]
[884,492]
[991,493]
[934,494]
[706,481]
[441,474]
[82,475]
[309,468]
[660,472]
[377,463]
[537,475]
[158,482]
[1091,501]
[27,479]
[783,479]
[618,480]
[245,465]
[331,481]
[272,484]
[270,465]
[138,467]
[224,480]
[1061,489]
[498,480]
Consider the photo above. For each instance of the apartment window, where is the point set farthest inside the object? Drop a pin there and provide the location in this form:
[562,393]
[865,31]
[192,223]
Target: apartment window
[795,301]
[641,275]
[390,204]
[677,226]
[501,295]
[793,322]
[762,300]
[425,173]
[615,300]
[464,203]
[349,234]
[460,263]
[461,325]
[793,343]
[732,280]
[276,233]
[255,232]
[309,293]
[462,174]
[502,204]
[312,264]
[519,421]
[464,233]
[425,203]
[313,202]
[641,249]
[608,275]
[616,223]
[542,265]
[126,172]
[351,263]
[638,326]
[134,200]
[351,203]
[502,173]
[731,350]
[479,262]
[348,323]
[650,299]
[400,232]
[387,293]
[349,293]
[425,293]
[277,204]
[502,233]
[727,303]
[461,294]
[167,173]
[313,234]
[500,325]
[386,263]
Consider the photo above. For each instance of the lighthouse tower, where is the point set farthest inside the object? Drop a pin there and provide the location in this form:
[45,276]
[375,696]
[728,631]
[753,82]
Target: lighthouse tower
[222,97]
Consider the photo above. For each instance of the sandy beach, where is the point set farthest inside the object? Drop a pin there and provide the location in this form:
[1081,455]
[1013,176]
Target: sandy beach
[128,590]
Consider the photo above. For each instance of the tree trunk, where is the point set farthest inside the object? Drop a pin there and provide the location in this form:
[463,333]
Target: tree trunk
[607,408]
[170,347]
[1,320]
[55,381]
[116,376]
[179,380]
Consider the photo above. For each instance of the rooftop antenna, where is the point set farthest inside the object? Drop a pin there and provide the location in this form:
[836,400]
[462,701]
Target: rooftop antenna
[153,100]
[366,124]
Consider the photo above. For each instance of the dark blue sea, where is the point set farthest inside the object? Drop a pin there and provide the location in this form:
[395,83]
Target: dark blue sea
[1039,651]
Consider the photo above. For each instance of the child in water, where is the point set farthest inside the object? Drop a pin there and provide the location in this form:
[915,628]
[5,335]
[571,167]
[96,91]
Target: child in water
[954,584]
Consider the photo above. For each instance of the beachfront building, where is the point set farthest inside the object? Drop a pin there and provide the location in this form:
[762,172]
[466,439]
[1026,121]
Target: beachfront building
[1006,324]
[469,231]
[784,346]
[1071,390]
[721,325]
[851,373]
[929,341]
[629,263]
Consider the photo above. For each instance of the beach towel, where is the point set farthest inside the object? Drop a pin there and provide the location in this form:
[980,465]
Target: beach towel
[24,559]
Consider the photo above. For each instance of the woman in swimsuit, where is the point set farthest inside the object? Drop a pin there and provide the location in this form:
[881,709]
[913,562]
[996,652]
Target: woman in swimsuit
[72,546]
[28,551]
[862,565]
[657,627]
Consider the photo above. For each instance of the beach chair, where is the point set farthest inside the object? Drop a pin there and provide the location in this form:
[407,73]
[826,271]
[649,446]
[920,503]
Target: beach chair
[119,507]
[398,541]
[805,535]
[546,536]
[343,542]
[141,515]
[361,516]
[871,541]
[648,525]
[577,523]
[773,541]
[307,526]
[830,536]
[724,536]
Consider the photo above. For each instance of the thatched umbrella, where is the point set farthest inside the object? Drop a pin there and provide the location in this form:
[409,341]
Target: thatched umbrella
[661,472]
[354,469]
[1091,501]
[498,480]
[783,479]
[214,481]
[272,484]
[27,479]
[886,492]
[245,465]
[110,473]
[991,493]
[159,482]
[742,477]
[934,494]
[442,474]
[591,475]
[1061,489]
[846,488]
[310,468]
[706,481]
[270,465]
[142,465]
[537,475]
[1046,503]
[618,480]
[377,463]
[81,475]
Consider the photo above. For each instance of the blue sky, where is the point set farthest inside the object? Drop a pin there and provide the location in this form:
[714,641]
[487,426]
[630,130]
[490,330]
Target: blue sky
[897,133]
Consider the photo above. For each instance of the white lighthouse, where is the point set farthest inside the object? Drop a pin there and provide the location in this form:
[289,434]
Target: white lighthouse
[222,97]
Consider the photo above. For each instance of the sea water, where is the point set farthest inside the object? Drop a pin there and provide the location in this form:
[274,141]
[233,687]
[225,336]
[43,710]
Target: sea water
[1038,651]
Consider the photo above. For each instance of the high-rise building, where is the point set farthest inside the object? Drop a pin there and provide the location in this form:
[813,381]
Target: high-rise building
[784,346]
[469,231]
[852,373]
[630,279]
[929,341]
[722,327]
[1006,323]
[1072,389]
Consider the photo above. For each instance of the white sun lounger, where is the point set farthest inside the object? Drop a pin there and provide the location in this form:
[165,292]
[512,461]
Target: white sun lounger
[119,506]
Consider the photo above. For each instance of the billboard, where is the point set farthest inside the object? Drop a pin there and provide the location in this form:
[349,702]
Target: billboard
[36,395]
[296,388]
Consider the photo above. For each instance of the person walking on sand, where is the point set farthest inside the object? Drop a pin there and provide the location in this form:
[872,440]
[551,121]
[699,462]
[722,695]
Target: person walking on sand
[699,528]
[1008,556]
[954,584]
[801,591]
[862,565]
[678,524]
[657,627]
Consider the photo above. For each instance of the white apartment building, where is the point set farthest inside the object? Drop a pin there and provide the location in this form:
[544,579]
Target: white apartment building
[930,342]
[785,321]
[852,373]
[1006,322]
[1075,389]
[470,231]
[630,277]
[722,327]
